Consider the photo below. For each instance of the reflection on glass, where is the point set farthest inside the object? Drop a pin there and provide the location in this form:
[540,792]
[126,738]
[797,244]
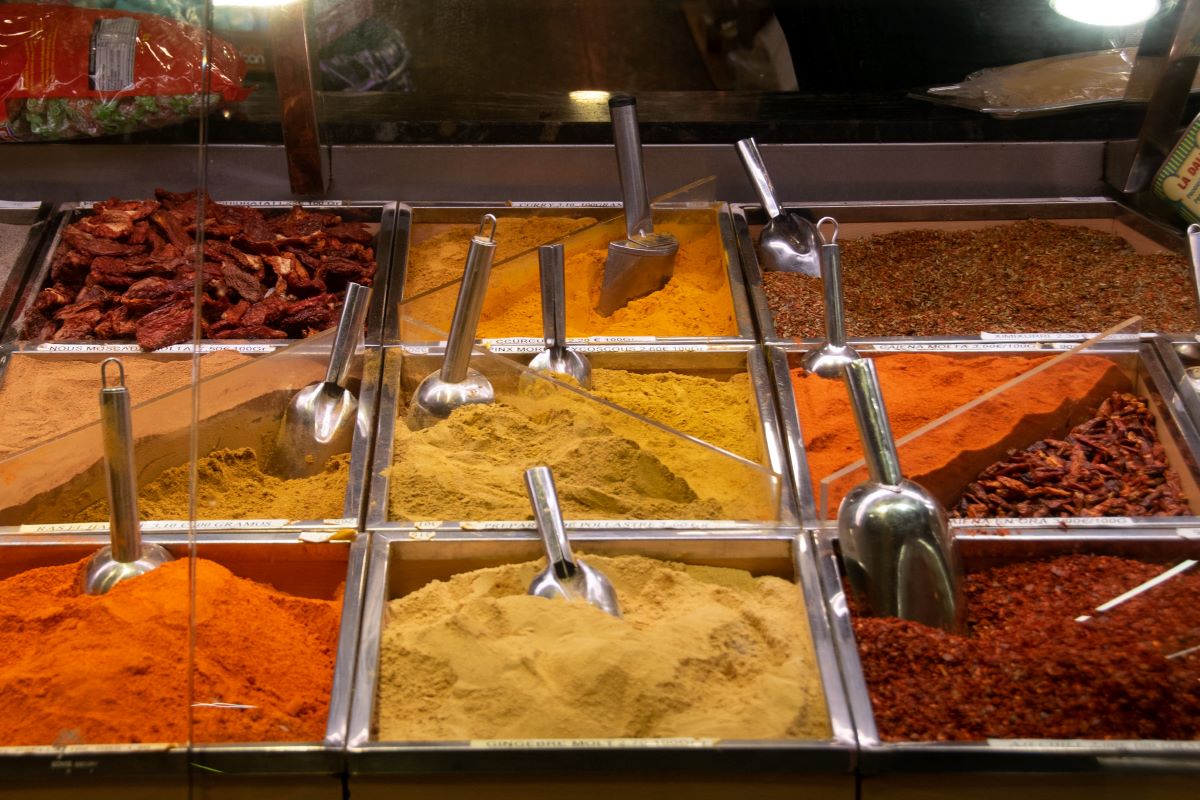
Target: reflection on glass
[1049,440]
[608,463]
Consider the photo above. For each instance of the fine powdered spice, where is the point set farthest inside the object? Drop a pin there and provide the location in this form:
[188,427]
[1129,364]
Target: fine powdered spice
[1111,465]
[1029,670]
[607,465]
[695,302]
[43,396]
[1032,275]
[718,412]
[700,652]
[231,485]
[113,668]
[438,259]
[921,387]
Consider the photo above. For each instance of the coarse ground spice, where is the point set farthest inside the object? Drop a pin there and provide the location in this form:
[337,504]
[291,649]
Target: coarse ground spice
[43,396]
[921,387]
[113,668]
[695,302]
[1113,465]
[1027,669]
[607,465]
[1032,275]
[700,651]
[231,485]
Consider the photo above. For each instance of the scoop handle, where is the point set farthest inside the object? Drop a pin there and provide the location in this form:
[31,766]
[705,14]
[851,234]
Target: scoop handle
[349,329]
[756,170]
[543,496]
[831,284]
[622,110]
[870,414]
[116,430]
[554,302]
[1193,234]
[469,306]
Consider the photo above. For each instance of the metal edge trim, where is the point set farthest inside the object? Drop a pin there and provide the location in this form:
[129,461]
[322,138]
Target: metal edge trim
[793,436]
[752,276]
[772,435]
[743,318]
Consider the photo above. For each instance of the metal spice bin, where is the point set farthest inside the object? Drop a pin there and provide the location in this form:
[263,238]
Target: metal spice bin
[1094,212]
[1177,432]
[244,406]
[402,561]
[380,216]
[995,768]
[460,215]
[35,216]
[404,367]
[312,769]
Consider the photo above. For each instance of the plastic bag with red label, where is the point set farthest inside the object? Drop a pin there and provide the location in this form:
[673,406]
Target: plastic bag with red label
[76,72]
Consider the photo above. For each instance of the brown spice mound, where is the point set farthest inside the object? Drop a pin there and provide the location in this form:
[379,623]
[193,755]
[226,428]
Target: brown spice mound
[1111,465]
[1029,670]
[1028,276]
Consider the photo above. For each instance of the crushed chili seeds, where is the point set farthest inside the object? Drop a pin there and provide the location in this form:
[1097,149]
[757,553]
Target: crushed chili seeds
[1027,669]
[1111,465]
[1032,275]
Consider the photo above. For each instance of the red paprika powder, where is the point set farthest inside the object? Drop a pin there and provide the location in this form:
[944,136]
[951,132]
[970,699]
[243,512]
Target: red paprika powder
[78,669]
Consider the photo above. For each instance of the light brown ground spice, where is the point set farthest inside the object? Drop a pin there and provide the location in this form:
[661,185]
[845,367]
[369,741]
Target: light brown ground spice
[1032,275]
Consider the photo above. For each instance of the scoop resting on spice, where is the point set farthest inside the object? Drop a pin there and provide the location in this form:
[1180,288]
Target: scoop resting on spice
[565,576]
[126,556]
[899,552]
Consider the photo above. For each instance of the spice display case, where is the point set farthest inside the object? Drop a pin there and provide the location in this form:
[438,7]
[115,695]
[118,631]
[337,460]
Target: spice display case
[1036,767]
[1030,310]
[622,467]
[54,477]
[237,269]
[705,301]
[947,456]
[228,769]
[22,228]
[404,561]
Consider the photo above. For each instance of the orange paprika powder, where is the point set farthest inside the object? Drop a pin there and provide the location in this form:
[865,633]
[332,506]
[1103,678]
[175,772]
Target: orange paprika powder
[80,669]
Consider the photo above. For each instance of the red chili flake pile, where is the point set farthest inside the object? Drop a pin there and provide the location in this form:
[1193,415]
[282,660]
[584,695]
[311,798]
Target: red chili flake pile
[127,271]
[1111,465]
[1032,275]
[1029,670]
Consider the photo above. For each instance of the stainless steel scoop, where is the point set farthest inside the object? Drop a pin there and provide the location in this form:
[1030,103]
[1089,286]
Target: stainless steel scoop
[900,557]
[788,242]
[828,359]
[456,384]
[126,556]
[557,358]
[319,422]
[643,261]
[565,576]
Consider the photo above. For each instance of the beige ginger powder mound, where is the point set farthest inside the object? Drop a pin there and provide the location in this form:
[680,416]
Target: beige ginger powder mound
[701,652]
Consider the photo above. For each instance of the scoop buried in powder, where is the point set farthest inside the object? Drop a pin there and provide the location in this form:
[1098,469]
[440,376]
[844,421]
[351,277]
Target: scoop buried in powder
[456,385]
[127,556]
[565,576]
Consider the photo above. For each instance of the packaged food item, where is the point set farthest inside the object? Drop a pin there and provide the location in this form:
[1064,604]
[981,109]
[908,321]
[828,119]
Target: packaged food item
[77,72]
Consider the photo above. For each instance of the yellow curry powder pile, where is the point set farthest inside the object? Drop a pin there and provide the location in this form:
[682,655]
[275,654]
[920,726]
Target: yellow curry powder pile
[699,652]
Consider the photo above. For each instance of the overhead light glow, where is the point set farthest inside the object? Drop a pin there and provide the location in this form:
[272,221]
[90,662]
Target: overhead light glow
[589,96]
[252,3]
[1111,13]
